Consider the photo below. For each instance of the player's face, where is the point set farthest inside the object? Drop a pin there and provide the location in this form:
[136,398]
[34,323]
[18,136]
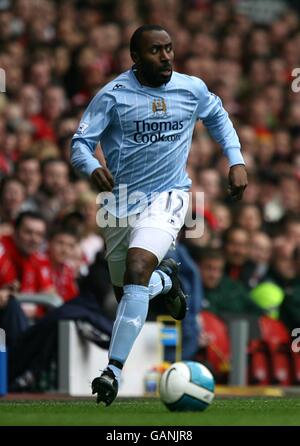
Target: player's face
[155,58]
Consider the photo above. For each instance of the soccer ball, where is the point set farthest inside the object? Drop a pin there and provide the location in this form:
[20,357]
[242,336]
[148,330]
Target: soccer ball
[187,386]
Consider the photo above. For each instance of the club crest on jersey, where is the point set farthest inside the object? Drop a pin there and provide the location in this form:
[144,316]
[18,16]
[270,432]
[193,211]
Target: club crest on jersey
[159,108]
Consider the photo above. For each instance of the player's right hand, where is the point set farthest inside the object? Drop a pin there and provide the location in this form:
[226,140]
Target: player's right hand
[103,179]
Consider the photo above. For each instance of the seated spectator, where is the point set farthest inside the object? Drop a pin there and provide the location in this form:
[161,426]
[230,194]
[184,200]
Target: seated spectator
[283,270]
[223,217]
[62,245]
[249,217]
[91,240]
[30,101]
[260,253]
[28,171]
[12,198]
[290,309]
[285,273]
[292,227]
[12,318]
[31,268]
[222,295]
[55,177]
[236,249]
[53,104]
[37,347]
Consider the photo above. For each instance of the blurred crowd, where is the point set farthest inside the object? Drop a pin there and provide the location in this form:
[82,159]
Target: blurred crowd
[58,54]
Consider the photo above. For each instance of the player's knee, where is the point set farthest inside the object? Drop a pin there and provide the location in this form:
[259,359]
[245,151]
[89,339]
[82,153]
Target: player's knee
[138,272]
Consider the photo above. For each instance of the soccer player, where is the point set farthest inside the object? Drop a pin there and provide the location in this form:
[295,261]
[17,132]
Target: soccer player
[144,120]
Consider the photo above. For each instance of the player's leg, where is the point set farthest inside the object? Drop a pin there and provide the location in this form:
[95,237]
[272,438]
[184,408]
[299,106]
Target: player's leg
[131,316]
[159,283]
[147,246]
[156,231]
[164,280]
[133,307]
[166,213]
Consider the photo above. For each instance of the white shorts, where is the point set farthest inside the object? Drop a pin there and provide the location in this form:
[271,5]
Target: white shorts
[154,230]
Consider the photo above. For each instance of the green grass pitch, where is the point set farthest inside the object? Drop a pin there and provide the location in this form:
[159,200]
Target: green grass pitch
[151,412]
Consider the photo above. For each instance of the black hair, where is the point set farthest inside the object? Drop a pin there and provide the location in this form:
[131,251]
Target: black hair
[62,229]
[73,222]
[290,218]
[239,207]
[51,160]
[200,254]
[24,158]
[28,214]
[7,180]
[226,234]
[136,36]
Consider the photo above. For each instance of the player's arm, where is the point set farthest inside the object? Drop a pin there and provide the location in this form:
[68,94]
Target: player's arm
[95,120]
[219,125]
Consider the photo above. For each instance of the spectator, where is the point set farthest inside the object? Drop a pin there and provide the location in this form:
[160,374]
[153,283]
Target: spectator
[23,250]
[12,197]
[292,228]
[25,269]
[236,249]
[55,178]
[222,295]
[259,258]
[91,242]
[28,171]
[223,217]
[290,309]
[62,245]
[36,348]
[248,217]
[283,269]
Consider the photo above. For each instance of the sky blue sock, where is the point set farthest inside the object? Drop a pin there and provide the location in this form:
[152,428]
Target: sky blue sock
[131,315]
[156,286]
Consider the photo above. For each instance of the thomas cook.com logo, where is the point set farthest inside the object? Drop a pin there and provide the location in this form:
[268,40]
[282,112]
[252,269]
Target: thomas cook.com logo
[157,127]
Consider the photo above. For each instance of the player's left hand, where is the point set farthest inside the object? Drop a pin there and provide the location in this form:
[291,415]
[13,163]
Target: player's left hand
[237,180]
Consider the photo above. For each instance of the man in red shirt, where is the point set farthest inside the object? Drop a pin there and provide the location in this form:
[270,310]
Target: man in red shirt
[22,268]
[23,249]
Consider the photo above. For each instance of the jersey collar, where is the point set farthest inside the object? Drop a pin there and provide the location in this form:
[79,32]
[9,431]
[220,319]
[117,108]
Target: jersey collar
[146,87]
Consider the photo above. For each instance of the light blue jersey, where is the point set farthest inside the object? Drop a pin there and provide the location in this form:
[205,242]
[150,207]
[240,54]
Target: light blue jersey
[145,133]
